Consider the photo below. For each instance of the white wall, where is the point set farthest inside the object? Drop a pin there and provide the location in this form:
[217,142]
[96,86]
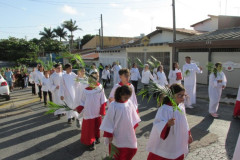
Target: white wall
[233,77]
[109,58]
[166,36]
[208,26]
[201,58]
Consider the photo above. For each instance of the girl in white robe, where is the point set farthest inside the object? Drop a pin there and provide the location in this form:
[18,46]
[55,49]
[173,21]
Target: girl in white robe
[120,123]
[236,112]
[161,77]
[93,103]
[124,76]
[170,134]
[67,92]
[115,69]
[217,82]
[175,75]
[80,85]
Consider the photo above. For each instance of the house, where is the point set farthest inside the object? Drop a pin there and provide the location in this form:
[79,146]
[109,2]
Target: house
[156,44]
[94,43]
[216,22]
[222,45]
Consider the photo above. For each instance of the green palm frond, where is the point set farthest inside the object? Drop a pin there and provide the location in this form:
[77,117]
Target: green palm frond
[139,63]
[160,92]
[53,107]
[113,152]
[156,62]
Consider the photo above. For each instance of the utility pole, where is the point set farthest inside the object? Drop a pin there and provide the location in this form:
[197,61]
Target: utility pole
[174,54]
[100,42]
[102,31]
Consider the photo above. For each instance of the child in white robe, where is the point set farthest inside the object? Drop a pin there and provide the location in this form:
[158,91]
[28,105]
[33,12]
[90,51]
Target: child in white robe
[80,84]
[120,123]
[67,91]
[217,82]
[236,112]
[124,76]
[45,87]
[175,75]
[93,103]
[161,77]
[170,134]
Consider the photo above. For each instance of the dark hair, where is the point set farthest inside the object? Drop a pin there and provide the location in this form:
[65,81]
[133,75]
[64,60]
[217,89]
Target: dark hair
[68,65]
[106,66]
[57,65]
[94,75]
[218,64]
[123,71]
[175,88]
[133,65]
[122,91]
[188,57]
[45,72]
[173,65]
[158,69]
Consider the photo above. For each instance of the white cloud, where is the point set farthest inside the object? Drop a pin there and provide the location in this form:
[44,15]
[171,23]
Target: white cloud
[69,10]
[114,5]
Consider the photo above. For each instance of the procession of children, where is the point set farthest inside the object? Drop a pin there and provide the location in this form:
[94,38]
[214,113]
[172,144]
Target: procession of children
[85,97]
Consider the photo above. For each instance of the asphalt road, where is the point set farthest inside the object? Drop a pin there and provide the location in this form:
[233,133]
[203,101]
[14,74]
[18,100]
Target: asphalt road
[26,133]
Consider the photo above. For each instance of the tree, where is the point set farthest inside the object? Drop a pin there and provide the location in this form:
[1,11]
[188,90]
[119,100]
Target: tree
[71,26]
[12,49]
[47,33]
[86,38]
[60,33]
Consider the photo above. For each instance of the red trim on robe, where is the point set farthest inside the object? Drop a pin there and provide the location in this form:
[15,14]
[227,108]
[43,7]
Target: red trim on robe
[124,153]
[136,125]
[90,130]
[165,132]
[152,156]
[107,134]
[103,109]
[236,111]
[121,84]
[79,109]
[137,111]
[90,88]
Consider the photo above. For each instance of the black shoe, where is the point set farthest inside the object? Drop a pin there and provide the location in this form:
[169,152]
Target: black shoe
[92,147]
[58,116]
[73,118]
[69,121]
[77,123]
[63,114]
[97,141]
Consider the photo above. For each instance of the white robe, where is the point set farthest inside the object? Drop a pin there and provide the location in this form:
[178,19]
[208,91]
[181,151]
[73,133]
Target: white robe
[173,76]
[190,81]
[116,78]
[176,142]
[55,79]
[236,154]
[215,90]
[67,90]
[120,120]
[92,100]
[161,79]
[133,98]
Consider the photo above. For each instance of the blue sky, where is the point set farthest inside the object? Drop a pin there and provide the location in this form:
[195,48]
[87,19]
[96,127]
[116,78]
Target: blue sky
[20,18]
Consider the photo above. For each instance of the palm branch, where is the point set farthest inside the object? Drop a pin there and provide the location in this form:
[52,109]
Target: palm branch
[160,91]
[139,63]
[113,152]
[156,62]
[53,107]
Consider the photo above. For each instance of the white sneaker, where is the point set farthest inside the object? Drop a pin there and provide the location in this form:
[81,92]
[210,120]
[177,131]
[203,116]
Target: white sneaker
[191,107]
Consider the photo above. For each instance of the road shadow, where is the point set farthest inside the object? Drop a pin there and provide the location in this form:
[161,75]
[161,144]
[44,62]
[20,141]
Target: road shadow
[46,144]
[232,137]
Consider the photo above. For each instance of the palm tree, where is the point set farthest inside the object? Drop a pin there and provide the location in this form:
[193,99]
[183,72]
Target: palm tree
[71,26]
[60,33]
[47,33]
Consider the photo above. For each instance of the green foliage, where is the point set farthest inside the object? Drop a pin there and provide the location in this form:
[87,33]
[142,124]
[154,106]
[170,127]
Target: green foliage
[160,92]
[52,107]
[47,33]
[113,152]
[48,65]
[153,62]
[74,58]
[12,49]
[59,31]
[139,63]
[86,38]
[51,46]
